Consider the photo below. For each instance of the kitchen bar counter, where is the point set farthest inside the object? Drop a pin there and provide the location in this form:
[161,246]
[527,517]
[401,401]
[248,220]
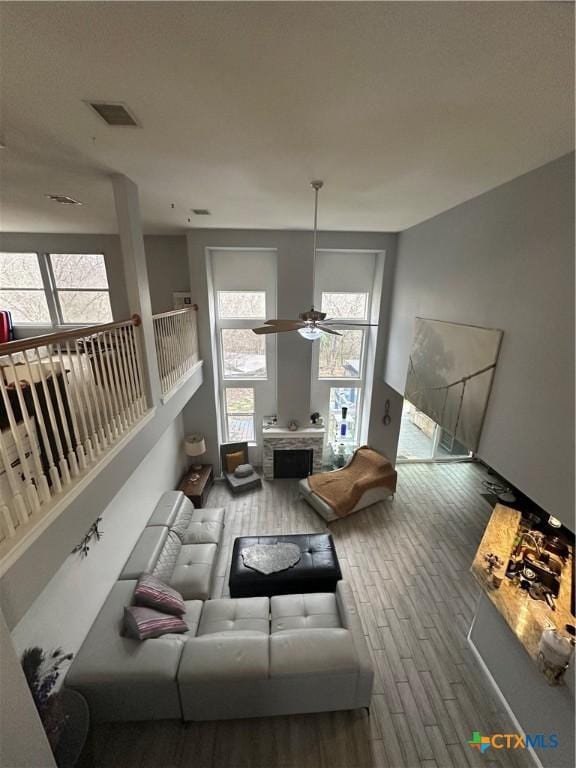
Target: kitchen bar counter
[526,617]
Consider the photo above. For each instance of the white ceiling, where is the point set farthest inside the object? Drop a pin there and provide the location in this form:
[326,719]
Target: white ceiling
[404,109]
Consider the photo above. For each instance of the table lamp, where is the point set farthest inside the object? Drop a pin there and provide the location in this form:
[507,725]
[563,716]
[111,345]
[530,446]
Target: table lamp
[195,445]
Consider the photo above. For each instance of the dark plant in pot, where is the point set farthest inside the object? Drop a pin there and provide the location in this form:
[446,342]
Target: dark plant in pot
[42,671]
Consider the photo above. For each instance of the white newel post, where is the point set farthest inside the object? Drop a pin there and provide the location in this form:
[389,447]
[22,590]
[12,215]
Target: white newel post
[136,275]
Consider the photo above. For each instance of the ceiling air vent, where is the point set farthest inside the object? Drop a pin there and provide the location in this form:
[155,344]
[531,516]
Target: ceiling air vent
[114,113]
[63,199]
[201,211]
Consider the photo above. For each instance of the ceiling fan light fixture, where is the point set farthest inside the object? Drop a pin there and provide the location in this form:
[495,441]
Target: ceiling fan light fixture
[310,332]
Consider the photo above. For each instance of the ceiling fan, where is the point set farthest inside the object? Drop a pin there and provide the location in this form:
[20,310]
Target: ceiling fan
[312,324]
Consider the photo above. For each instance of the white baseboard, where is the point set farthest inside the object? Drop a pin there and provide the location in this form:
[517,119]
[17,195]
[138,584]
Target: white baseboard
[501,696]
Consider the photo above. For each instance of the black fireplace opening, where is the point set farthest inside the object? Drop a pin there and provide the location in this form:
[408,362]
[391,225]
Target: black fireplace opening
[293,463]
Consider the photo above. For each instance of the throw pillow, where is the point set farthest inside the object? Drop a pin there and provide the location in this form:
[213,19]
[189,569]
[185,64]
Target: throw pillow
[153,593]
[243,470]
[145,623]
[234,460]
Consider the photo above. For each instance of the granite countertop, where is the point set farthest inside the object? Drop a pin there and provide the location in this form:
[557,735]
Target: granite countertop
[526,617]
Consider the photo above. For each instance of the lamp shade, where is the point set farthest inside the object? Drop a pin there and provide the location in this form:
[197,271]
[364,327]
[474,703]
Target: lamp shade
[194,445]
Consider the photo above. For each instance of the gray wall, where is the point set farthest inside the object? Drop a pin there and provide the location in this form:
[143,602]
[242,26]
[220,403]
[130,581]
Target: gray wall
[506,260]
[168,270]
[294,253]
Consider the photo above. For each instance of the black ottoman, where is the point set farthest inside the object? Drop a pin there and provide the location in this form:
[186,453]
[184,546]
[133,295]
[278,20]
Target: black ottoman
[317,571]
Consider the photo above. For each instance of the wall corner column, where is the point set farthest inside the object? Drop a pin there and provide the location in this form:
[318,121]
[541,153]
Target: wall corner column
[136,274]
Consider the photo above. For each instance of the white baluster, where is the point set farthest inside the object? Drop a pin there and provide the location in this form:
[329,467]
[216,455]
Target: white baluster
[102,388]
[110,388]
[62,463]
[128,416]
[32,500]
[117,384]
[129,372]
[16,487]
[77,445]
[79,393]
[87,367]
[41,481]
[138,369]
[71,456]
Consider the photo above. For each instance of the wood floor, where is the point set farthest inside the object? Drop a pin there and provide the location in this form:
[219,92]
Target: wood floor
[408,561]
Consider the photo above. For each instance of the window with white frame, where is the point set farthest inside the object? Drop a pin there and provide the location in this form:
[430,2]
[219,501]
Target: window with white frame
[341,364]
[244,295]
[22,289]
[345,282]
[239,411]
[80,288]
[344,400]
[55,289]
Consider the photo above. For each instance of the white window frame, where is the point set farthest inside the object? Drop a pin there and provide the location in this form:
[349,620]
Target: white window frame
[325,384]
[51,291]
[258,384]
[56,291]
[350,384]
[47,294]
[225,411]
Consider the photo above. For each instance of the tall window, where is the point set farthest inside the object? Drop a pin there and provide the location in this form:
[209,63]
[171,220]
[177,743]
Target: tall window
[55,289]
[243,359]
[244,295]
[340,367]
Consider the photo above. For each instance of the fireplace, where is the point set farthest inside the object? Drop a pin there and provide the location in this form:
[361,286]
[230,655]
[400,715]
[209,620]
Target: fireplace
[283,440]
[293,463]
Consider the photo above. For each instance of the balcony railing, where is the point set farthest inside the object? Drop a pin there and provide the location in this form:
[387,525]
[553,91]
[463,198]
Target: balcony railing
[176,336]
[65,400]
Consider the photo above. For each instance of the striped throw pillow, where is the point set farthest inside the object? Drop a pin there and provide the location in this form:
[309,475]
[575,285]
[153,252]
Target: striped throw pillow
[145,623]
[153,593]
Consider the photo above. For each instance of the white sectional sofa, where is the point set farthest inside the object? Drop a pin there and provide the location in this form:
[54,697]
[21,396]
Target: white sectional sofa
[244,657]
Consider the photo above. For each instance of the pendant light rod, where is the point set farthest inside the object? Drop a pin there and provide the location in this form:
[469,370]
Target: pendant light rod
[316,186]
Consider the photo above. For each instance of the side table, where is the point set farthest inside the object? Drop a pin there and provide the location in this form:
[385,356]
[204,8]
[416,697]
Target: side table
[196,484]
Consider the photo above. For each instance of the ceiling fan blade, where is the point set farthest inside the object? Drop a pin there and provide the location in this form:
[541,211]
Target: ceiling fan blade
[276,328]
[350,325]
[283,322]
[328,330]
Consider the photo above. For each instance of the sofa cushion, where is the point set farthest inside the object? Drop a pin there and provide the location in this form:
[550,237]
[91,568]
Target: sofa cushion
[204,526]
[311,652]
[144,623]
[145,553]
[192,574]
[106,656]
[234,460]
[151,592]
[225,657]
[311,611]
[192,616]
[170,507]
[167,556]
[230,615]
